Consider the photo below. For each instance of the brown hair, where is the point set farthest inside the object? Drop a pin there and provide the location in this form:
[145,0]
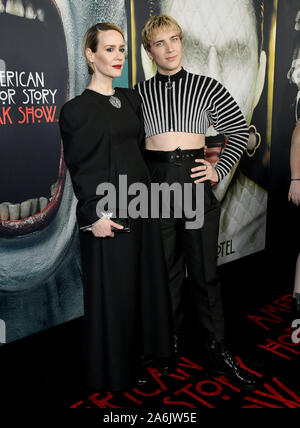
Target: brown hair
[91,39]
[155,23]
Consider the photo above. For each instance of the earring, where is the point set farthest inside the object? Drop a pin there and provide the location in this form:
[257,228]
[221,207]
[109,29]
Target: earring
[254,141]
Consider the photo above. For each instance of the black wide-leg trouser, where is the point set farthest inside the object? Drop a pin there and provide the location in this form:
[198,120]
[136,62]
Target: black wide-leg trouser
[191,250]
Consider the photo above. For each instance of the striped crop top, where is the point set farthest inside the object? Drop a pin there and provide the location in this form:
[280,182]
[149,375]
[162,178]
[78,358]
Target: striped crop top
[187,102]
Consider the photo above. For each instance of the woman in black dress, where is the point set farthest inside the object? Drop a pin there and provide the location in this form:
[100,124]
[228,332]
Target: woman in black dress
[126,301]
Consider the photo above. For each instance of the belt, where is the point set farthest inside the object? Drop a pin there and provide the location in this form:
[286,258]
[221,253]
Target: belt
[174,156]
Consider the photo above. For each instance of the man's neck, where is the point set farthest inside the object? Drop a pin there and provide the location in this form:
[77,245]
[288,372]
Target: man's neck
[169,72]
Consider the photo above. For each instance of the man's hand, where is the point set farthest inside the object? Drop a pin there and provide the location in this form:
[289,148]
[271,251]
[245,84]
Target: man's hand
[294,192]
[206,172]
[102,228]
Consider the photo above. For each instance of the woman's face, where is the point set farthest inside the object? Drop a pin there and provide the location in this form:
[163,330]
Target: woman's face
[109,58]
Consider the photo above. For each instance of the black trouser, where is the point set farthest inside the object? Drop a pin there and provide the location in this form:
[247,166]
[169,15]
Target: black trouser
[195,249]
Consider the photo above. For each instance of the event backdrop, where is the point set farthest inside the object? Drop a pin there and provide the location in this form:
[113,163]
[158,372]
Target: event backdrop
[42,66]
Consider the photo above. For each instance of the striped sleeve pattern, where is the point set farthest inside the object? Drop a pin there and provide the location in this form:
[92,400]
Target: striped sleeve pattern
[227,118]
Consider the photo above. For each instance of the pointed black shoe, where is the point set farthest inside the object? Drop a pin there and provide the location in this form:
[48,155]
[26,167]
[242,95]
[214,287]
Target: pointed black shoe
[222,362]
[141,381]
[142,376]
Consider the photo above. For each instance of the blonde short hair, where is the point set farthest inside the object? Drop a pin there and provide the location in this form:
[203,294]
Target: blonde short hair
[91,39]
[156,23]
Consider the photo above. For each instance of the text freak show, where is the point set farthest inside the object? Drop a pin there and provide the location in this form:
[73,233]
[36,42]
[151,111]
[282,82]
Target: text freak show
[24,99]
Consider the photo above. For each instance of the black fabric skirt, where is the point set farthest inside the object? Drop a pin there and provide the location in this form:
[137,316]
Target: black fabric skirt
[127,309]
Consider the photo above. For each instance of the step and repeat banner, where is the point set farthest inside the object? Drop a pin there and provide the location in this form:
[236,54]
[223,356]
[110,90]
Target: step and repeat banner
[42,66]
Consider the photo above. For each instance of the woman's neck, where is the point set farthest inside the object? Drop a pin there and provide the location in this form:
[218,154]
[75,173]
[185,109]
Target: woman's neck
[104,86]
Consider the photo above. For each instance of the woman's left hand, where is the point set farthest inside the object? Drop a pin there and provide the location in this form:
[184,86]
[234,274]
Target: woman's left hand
[294,192]
[205,172]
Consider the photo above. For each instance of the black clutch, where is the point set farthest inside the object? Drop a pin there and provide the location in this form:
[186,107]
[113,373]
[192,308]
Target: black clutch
[125,222]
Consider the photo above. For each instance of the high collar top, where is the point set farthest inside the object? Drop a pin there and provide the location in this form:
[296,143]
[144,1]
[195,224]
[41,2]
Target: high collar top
[171,77]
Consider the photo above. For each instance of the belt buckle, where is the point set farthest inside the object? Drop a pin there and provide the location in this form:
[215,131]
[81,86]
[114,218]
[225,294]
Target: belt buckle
[178,156]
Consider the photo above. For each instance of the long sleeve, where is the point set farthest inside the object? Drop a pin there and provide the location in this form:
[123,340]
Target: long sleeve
[87,157]
[141,135]
[136,103]
[226,117]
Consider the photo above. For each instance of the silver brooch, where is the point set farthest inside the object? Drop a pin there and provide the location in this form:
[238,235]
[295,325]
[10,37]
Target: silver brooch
[115,101]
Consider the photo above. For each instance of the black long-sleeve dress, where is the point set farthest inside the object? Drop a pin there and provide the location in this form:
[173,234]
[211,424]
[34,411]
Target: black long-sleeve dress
[127,309]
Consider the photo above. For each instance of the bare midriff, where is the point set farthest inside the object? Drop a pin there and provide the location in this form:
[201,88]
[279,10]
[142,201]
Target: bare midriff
[171,140]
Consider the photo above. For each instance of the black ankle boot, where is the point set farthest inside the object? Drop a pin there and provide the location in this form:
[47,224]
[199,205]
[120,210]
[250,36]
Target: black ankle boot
[176,345]
[222,361]
[171,364]
[295,307]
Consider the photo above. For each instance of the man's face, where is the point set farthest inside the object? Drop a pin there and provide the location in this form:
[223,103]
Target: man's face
[220,40]
[166,51]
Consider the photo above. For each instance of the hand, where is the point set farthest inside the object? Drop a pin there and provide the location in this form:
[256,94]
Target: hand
[102,228]
[294,192]
[205,172]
